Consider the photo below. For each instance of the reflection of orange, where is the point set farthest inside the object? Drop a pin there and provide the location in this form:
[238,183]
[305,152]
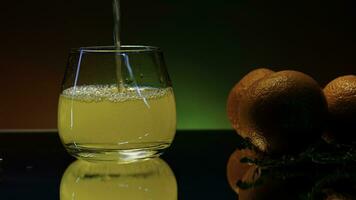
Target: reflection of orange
[341,97]
[268,187]
[237,92]
[283,112]
[236,169]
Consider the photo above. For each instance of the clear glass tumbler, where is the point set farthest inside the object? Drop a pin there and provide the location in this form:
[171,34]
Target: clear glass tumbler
[116,104]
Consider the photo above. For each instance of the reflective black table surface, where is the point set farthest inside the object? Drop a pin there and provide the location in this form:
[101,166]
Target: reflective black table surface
[36,166]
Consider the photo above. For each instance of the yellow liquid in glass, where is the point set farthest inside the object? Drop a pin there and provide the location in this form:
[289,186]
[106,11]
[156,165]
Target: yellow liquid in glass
[150,179]
[101,118]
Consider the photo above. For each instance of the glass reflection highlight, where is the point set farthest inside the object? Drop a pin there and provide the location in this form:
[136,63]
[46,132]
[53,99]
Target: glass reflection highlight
[149,179]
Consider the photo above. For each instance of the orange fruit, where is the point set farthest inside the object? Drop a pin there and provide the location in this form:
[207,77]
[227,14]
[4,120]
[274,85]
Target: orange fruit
[238,91]
[236,169]
[283,112]
[341,98]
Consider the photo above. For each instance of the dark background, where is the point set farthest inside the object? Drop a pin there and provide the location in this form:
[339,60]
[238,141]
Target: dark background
[209,45]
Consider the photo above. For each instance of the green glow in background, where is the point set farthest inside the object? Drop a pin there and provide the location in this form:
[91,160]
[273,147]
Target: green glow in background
[201,52]
[199,57]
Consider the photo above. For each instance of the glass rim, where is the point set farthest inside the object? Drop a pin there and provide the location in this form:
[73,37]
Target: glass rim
[114,49]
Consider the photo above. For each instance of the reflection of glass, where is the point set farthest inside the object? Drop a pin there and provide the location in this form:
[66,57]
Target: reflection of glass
[116,104]
[149,179]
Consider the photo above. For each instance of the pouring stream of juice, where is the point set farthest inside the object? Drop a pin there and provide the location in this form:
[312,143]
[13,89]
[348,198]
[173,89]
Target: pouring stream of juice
[116,12]
[117,42]
[125,62]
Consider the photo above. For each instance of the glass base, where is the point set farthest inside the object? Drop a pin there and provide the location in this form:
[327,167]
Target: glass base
[105,152]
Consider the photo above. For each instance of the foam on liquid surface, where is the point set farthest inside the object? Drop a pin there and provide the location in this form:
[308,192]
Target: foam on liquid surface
[97,93]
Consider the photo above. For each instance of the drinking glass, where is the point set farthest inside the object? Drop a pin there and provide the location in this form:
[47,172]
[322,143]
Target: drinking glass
[116,104]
